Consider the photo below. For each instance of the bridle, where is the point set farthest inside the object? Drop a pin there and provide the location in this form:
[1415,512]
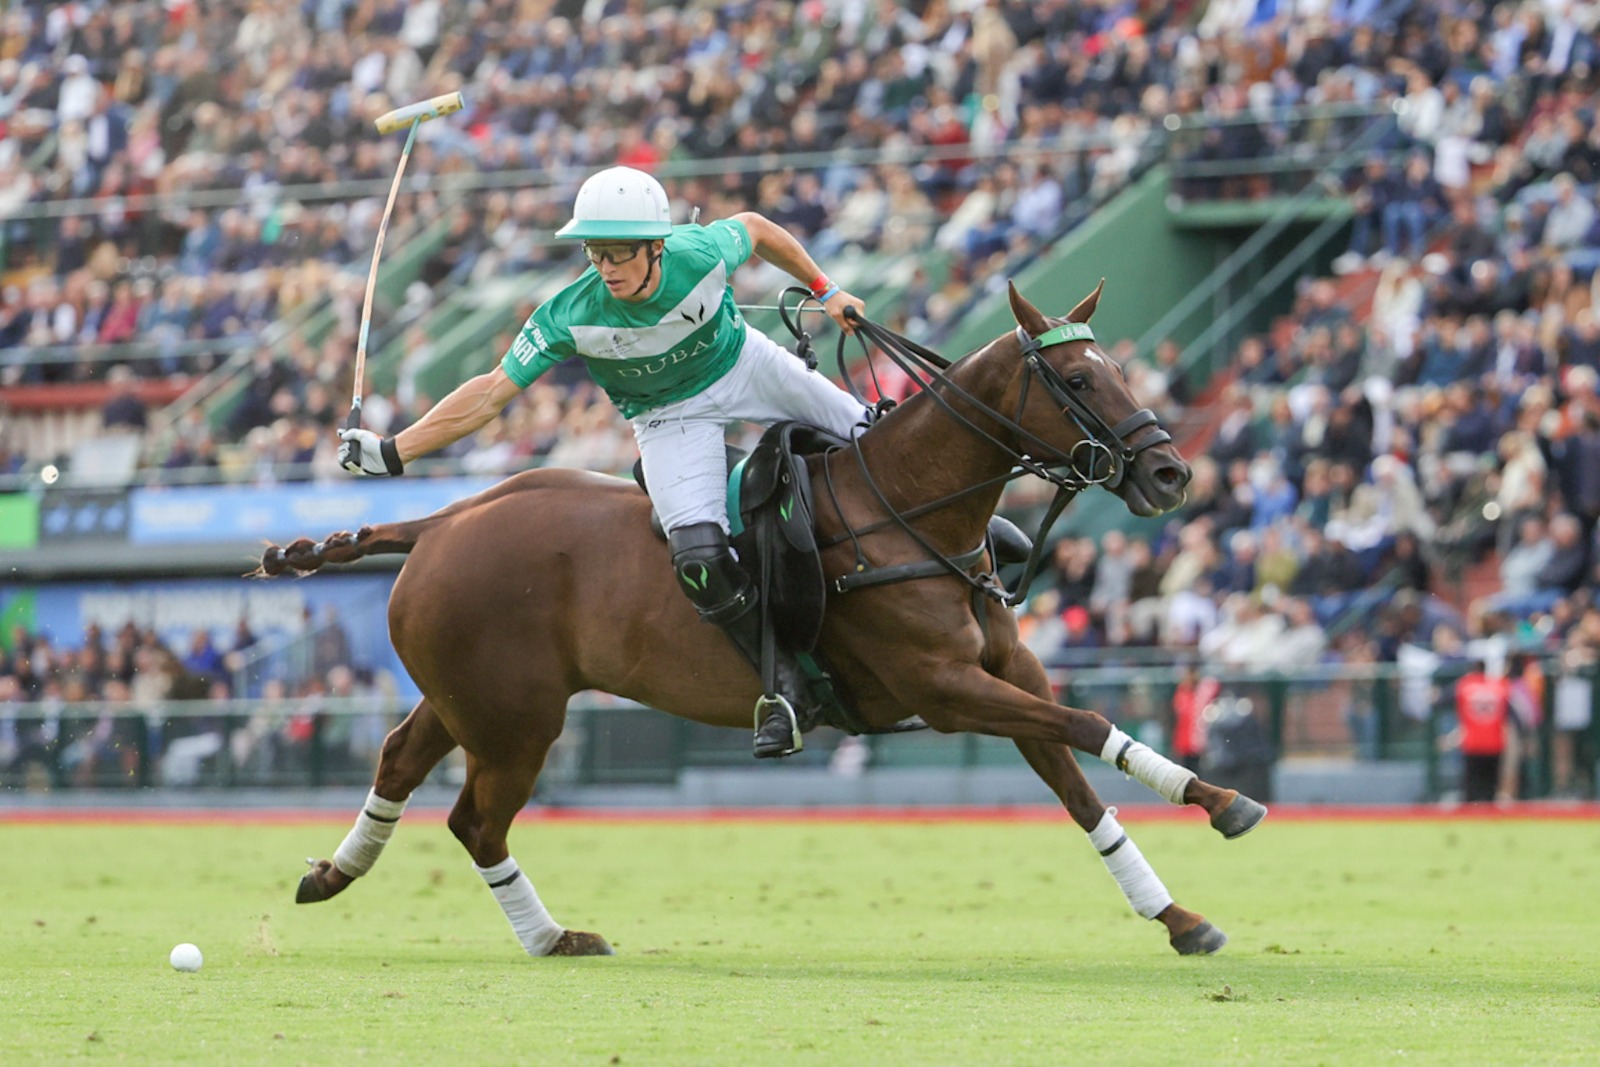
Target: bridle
[1100,442]
[1103,456]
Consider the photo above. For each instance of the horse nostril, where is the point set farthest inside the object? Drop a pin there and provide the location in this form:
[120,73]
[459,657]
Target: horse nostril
[1172,475]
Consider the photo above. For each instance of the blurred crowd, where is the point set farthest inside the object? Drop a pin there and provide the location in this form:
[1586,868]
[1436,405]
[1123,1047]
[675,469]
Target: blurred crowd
[1404,472]
[993,123]
[128,708]
[119,119]
[1430,411]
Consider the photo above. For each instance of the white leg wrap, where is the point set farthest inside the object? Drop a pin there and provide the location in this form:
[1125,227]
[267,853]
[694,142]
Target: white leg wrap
[364,843]
[1128,866]
[1144,764]
[529,920]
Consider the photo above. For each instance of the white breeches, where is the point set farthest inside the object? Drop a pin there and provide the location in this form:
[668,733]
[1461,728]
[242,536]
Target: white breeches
[683,444]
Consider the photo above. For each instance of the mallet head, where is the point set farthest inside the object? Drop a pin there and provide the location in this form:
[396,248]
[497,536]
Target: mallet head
[401,117]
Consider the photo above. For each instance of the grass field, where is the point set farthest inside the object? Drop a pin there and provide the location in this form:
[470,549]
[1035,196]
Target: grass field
[1470,942]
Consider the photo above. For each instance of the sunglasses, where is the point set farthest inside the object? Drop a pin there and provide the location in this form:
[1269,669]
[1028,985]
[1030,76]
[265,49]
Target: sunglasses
[616,255]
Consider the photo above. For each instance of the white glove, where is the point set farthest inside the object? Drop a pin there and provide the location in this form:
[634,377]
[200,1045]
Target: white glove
[364,452]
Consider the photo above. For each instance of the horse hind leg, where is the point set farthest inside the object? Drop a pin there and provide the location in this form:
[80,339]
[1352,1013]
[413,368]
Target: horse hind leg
[493,794]
[411,750]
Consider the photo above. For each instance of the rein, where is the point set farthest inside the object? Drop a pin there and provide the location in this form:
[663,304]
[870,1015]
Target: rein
[1102,457]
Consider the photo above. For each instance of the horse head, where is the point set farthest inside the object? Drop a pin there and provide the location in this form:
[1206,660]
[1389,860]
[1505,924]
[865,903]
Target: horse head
[1077,401]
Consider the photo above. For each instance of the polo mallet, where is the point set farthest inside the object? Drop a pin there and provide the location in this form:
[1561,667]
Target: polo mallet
[414,115]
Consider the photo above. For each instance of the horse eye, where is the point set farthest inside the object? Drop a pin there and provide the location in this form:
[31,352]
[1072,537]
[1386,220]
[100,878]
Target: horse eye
[1078,382]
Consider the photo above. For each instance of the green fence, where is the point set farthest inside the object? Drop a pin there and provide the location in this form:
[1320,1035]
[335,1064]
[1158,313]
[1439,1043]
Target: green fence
[1370,714]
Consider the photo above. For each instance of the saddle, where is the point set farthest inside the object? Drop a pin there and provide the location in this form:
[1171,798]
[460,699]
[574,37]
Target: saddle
[771,526]
[771,517]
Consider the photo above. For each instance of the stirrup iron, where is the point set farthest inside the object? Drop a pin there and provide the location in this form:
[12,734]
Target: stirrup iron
[766,706]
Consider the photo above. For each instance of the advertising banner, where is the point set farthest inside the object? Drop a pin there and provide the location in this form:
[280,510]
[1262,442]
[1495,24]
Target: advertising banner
[84,516]
[19,521]
[352,608]
[198,514]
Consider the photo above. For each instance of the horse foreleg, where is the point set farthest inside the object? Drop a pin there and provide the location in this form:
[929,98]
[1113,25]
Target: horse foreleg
[1187,931]
[966,698]
[411,750]
[490,799]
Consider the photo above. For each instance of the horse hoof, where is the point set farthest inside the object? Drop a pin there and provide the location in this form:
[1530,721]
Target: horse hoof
[1239,817]
[581,943]
[1203,940]
[321,882]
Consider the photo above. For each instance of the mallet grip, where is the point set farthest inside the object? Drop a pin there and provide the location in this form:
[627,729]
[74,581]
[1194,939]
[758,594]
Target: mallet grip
[401,117]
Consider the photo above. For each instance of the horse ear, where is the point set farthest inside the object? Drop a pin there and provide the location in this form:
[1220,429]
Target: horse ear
[1027,316]
[1087,305]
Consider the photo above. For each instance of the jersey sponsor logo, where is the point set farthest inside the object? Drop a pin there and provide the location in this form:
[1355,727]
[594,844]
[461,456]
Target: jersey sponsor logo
[525,348]
[594,325]
[622,343]
[671,359]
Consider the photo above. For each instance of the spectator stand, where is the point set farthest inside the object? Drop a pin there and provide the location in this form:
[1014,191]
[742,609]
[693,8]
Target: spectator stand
[51,421]
[1411,473]
[1488,343]
[145,109]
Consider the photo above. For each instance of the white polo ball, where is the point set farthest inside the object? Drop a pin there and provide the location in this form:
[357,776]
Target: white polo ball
[186,957]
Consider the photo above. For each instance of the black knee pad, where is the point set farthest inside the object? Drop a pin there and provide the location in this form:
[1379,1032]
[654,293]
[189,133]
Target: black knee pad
[707,572]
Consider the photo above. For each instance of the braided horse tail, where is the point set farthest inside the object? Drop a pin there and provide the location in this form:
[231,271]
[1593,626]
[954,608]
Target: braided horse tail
[306,556]
[392,538]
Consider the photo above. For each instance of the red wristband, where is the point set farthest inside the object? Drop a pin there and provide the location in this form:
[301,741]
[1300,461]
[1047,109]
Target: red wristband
[820,285]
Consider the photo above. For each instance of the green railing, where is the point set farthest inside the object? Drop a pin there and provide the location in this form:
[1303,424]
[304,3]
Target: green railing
[1297,147]
[1367,715]
[1226,310]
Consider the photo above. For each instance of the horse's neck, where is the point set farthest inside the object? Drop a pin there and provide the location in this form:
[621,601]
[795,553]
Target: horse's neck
[920,453]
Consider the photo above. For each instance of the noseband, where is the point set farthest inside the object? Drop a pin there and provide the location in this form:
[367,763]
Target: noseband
[1104,456]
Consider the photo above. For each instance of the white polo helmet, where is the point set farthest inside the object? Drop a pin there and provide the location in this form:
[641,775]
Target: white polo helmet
[619,204]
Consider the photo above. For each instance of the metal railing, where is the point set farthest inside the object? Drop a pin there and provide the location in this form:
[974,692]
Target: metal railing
[562,181]
[1356,714]
[1296,145]
[1325,183]
[127,352]
[1212,347]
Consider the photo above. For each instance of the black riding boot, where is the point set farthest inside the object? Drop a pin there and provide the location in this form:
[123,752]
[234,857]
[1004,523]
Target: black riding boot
[722,593]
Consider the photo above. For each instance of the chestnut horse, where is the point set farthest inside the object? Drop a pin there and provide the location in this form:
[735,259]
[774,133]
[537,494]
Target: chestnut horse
[552,582]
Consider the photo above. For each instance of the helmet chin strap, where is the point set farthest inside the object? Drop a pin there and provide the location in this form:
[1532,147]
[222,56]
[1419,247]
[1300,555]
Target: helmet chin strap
[654,258]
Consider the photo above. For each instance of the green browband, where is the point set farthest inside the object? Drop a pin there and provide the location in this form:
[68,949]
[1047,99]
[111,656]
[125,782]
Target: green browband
[1072,331]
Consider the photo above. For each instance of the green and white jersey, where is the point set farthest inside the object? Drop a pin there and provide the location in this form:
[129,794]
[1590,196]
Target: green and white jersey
[656,351]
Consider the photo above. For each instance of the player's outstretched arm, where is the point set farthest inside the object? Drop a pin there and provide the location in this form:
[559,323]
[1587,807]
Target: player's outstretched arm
[466,410]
